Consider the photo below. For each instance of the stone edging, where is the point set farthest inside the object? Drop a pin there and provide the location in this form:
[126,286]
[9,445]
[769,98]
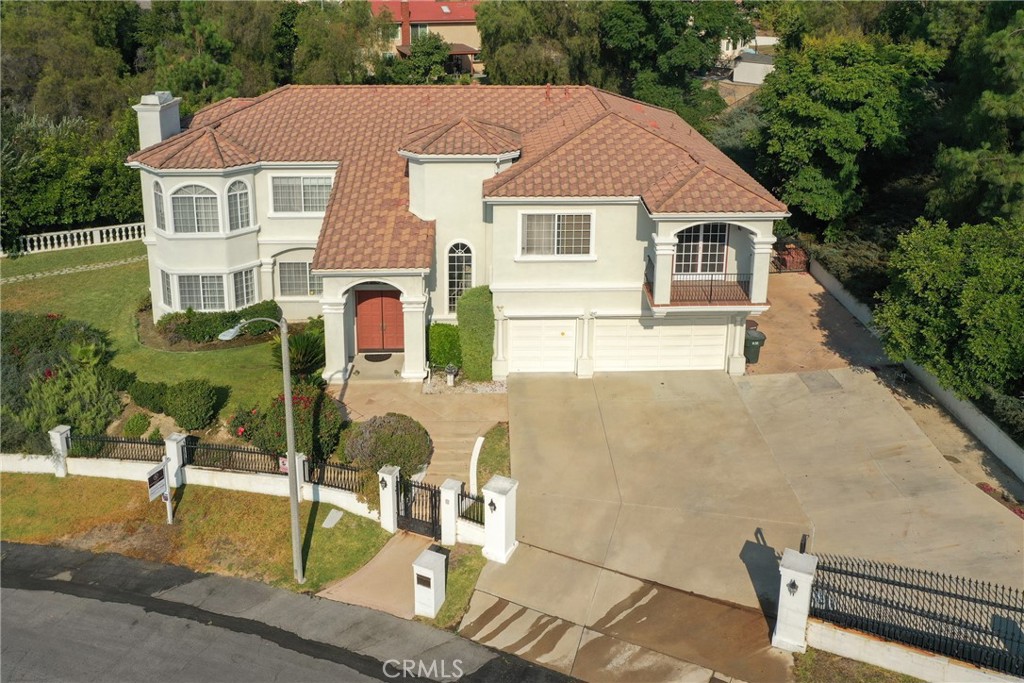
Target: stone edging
[68,271]
[983,429]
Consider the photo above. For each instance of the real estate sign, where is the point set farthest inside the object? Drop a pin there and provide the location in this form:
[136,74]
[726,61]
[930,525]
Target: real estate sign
[157,480]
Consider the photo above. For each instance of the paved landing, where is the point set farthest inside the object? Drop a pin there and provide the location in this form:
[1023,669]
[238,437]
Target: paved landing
[454,421]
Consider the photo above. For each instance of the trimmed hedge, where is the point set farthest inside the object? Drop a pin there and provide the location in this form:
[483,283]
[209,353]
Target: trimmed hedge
[391,439]
[202,327]
[443,346]
[136,425]
[191,403]
[475,312]
[149,395]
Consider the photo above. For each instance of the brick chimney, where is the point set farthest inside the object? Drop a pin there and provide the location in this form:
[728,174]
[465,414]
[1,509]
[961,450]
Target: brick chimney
[159,118]
[406,23]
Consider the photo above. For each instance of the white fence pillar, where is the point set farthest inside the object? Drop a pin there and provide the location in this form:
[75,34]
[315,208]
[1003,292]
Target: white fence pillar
[500,518]
[175,445]
[429,583]
[60,442]
[796,575]
[450,490]
[388,484]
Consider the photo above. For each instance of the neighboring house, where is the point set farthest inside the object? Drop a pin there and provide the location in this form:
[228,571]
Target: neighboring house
[752,67]
[612,235]
[729,50]
[454,21]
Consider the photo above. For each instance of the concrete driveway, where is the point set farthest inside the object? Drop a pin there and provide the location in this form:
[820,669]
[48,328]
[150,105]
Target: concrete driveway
[697,480]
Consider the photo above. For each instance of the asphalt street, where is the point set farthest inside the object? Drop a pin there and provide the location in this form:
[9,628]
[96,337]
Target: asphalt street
[74,616]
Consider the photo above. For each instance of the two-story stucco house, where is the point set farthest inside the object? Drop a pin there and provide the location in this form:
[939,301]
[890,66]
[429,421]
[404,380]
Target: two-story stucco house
[612,235]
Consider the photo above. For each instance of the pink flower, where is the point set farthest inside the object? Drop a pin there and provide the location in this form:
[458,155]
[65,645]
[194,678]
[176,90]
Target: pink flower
[241,430]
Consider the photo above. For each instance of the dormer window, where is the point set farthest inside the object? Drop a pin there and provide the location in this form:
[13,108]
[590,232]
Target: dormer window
[194,209]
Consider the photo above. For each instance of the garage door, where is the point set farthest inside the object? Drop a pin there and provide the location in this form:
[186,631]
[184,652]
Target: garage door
[544,345]
[694,344]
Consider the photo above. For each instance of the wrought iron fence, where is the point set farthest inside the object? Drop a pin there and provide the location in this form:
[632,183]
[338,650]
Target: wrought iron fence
[225,457]
[976,622]
[336,476]
[710,288]
[115,448]
[471,507]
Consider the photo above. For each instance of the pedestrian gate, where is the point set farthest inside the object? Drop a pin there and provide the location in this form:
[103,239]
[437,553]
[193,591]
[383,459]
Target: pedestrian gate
[419,508]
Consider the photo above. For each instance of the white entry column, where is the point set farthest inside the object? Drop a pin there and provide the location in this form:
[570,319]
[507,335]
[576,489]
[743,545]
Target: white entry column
[665,253]
[760,261]
[414,319]
[335,343]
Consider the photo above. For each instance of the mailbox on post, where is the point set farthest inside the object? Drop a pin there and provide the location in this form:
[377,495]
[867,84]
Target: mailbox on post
[429,575]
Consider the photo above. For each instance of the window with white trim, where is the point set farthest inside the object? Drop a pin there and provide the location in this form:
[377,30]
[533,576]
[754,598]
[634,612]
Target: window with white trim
[245,288]
[305,194]
[460,272]
[201,292]
[158,204]
[702,249]
[418,30]
[194,209]
[297,279]
[556,234]
[238,206]
[165,280]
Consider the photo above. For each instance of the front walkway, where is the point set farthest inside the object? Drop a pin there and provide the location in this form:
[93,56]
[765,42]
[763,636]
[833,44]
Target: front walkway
[454,421]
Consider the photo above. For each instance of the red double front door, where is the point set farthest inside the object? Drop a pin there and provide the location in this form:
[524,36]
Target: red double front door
[379,321]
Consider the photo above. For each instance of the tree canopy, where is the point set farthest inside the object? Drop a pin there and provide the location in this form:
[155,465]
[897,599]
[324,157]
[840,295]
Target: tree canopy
[956,305]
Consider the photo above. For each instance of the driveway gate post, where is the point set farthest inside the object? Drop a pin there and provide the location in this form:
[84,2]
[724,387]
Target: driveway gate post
[796,575]
[388,484]
[450,490]
[500,518]
[59,444]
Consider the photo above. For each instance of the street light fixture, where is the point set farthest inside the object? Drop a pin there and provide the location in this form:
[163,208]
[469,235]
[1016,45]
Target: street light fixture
[289,430]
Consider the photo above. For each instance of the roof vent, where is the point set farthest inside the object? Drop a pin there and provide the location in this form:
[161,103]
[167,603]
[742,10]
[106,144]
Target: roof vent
[446,9]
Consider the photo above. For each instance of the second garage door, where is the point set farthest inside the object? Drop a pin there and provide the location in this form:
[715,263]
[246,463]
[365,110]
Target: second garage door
[542,345]
[624,344]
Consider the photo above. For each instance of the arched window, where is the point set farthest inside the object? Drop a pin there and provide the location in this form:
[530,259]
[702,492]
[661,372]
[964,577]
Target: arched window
[158,202]
[702,249]
[238,206]
[460,272]
[194,209]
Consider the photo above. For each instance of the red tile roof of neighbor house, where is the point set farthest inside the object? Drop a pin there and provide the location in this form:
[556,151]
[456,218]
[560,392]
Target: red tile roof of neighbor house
[575,141]
[429,11]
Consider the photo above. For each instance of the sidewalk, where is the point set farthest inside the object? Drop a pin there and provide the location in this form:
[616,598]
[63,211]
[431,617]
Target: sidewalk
[253,607]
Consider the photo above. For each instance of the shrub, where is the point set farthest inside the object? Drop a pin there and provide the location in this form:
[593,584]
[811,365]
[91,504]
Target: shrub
[191,403]
[476,332]
[318,423]
[306,353]
[71,395]
[155,435]
[1008,411]
[149,395]
[390,439]
[119,378]
[862,267]
[136,425]
[202,327]
[443,347]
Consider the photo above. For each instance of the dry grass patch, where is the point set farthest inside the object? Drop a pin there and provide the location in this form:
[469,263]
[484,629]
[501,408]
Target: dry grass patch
[226,532]
[816,666]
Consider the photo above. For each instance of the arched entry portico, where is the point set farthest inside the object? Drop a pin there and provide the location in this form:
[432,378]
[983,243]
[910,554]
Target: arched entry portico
[373,314]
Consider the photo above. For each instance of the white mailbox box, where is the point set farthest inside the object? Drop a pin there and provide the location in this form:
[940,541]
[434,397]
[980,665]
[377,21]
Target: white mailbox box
[429,576]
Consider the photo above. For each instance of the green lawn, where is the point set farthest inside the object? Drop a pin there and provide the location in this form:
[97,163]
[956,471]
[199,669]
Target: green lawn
[108,299]
[57,260]
[494,456]
[464,566]
[227,532]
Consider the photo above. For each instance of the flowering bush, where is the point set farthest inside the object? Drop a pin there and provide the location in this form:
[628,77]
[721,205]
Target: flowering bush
[391,439]
[318,423]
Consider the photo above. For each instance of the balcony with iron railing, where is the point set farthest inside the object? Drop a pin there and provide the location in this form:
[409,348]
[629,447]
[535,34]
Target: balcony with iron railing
[702,289]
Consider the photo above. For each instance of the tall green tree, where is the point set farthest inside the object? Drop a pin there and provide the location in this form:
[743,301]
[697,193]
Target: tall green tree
[982,169]
[424,65]
[956,305]
[339,41]
[831,107]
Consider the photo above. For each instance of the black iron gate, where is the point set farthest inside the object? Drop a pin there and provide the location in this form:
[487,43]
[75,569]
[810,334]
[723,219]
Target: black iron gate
[419,508]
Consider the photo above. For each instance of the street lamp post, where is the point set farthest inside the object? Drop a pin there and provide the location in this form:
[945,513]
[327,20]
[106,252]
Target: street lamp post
[289,431]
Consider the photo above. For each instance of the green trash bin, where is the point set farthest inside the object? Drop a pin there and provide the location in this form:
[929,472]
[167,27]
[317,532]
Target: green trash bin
[752,345]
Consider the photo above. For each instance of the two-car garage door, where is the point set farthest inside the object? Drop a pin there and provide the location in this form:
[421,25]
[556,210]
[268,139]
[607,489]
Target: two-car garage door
[549,345]
[631,344]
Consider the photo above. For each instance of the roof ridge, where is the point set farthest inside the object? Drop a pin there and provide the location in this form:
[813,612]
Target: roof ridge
[490,137]
[211,131]
[682,183]
[603,93]
[515,172]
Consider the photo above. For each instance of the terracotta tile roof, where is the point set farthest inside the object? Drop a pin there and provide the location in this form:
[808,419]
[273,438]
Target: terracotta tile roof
[575,141]
[463,136]
[429,11]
